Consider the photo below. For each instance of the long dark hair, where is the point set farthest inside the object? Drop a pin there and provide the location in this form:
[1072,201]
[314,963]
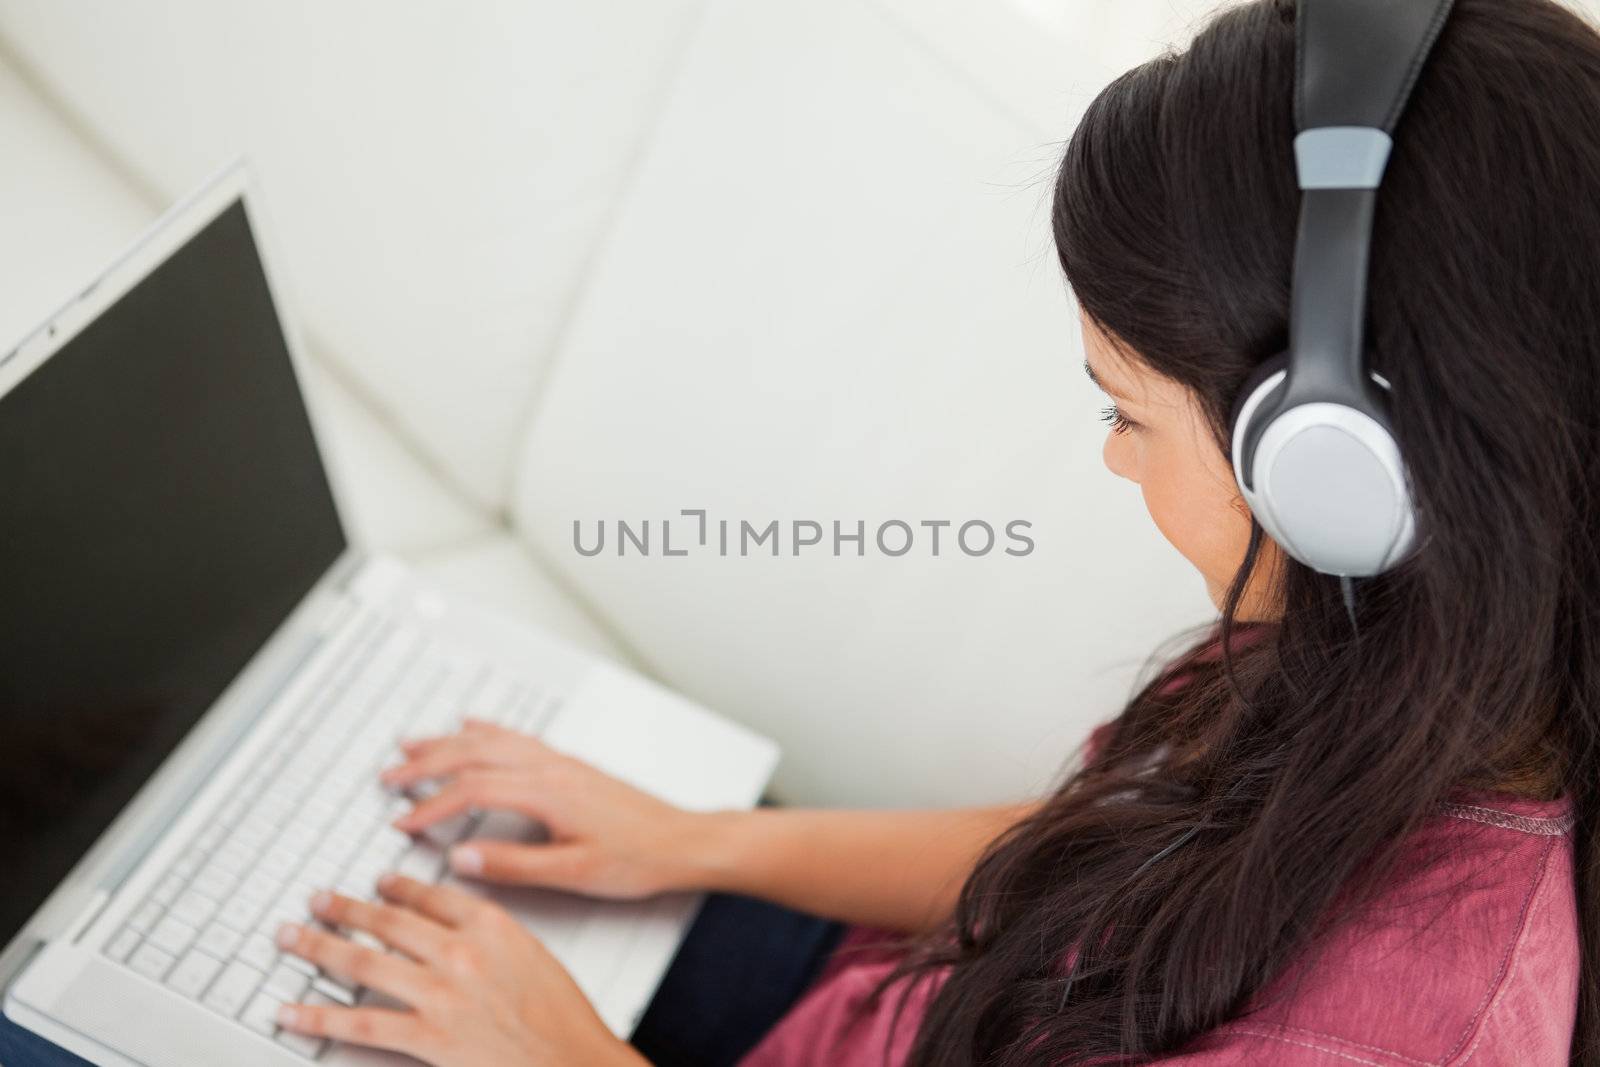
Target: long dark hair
[1228,822]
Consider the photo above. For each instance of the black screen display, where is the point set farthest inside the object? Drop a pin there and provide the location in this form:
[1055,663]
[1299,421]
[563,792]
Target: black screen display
[163,508]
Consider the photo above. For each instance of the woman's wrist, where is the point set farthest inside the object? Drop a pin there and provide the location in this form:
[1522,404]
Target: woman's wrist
[707,851]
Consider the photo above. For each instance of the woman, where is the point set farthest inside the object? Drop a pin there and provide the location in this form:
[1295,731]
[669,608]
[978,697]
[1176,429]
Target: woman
[1305,842]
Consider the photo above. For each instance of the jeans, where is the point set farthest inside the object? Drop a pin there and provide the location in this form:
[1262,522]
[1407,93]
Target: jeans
[742,965]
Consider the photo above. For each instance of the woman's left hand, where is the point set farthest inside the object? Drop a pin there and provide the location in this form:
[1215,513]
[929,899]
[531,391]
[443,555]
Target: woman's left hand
[481,990]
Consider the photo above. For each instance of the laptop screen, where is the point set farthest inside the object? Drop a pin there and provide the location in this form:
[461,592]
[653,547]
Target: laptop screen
[163,508]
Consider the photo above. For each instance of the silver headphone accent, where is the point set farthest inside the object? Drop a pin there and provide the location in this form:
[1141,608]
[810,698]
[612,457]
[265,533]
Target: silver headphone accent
[1329,486]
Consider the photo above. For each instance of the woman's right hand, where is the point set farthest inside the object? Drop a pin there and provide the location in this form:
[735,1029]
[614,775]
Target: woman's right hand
[606,838]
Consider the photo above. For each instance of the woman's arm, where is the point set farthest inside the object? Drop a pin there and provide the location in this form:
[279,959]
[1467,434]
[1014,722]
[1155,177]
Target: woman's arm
[899,870]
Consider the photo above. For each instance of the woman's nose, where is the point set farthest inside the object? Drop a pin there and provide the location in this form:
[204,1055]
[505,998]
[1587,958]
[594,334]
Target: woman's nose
[1114,454]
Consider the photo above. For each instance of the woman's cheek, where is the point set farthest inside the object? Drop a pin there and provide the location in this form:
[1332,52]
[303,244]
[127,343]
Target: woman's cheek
[1195,520]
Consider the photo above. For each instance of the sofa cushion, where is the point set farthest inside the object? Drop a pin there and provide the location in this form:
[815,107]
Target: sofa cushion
[440,173]
[831,295]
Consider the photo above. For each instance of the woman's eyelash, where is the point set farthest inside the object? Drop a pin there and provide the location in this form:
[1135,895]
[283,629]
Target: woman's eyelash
[1119,423]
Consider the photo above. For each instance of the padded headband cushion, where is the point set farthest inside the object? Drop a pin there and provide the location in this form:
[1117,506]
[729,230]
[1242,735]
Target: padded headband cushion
[1356,61]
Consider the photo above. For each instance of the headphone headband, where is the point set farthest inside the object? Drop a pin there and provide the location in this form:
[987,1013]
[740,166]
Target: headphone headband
[1356,63]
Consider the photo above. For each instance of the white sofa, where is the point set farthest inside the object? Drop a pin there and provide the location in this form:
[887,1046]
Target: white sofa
[774,259]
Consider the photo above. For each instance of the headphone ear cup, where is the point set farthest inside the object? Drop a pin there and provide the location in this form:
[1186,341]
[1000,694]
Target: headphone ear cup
[1325,480]
[1263,370]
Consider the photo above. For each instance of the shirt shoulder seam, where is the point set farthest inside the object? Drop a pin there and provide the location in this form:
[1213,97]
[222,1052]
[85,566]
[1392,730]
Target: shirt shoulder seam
[1508,966]
[1538,825]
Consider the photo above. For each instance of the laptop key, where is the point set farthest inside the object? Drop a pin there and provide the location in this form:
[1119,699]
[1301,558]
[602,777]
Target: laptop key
[233,858]
[150,962]
[259,952]
[145,919]
[193,973]
[309,1047]
[279,863]
[214,882]
[188,864]
[258,890]
[193,908]
[262,1014]
[121,946]
[287,983]
[320,872]
[172,936]
[165,893]
[240,913]
[233,990]
[219,940]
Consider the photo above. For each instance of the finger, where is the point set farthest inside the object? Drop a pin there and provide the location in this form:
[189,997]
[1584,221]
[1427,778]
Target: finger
[441,903]
[397,1031]
[479,744]
[400,928]
[400,978]
[555,866]
[476,789]
[442,756]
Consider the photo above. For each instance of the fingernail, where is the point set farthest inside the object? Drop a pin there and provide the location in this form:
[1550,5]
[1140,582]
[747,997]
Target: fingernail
[466,860]
[321,901]
[287,1016]
[386,882]
[288,935]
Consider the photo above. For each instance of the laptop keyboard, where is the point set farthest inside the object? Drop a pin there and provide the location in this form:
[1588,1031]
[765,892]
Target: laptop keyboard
[311,815]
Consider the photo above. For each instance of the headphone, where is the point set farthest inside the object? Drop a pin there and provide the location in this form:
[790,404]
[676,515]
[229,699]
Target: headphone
[1314,450]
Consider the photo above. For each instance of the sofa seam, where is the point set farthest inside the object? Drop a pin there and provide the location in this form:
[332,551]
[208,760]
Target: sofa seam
[667,89]
[139,184]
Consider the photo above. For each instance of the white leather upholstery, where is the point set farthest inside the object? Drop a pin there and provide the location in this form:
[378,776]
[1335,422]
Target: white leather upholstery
[775,259]
[388,498]
[439,173]
[63,215]
[855,315]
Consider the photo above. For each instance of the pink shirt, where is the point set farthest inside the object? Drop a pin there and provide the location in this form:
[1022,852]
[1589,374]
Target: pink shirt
[1472,961]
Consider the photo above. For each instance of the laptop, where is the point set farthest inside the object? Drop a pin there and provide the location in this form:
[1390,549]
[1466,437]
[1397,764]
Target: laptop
[203,676]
